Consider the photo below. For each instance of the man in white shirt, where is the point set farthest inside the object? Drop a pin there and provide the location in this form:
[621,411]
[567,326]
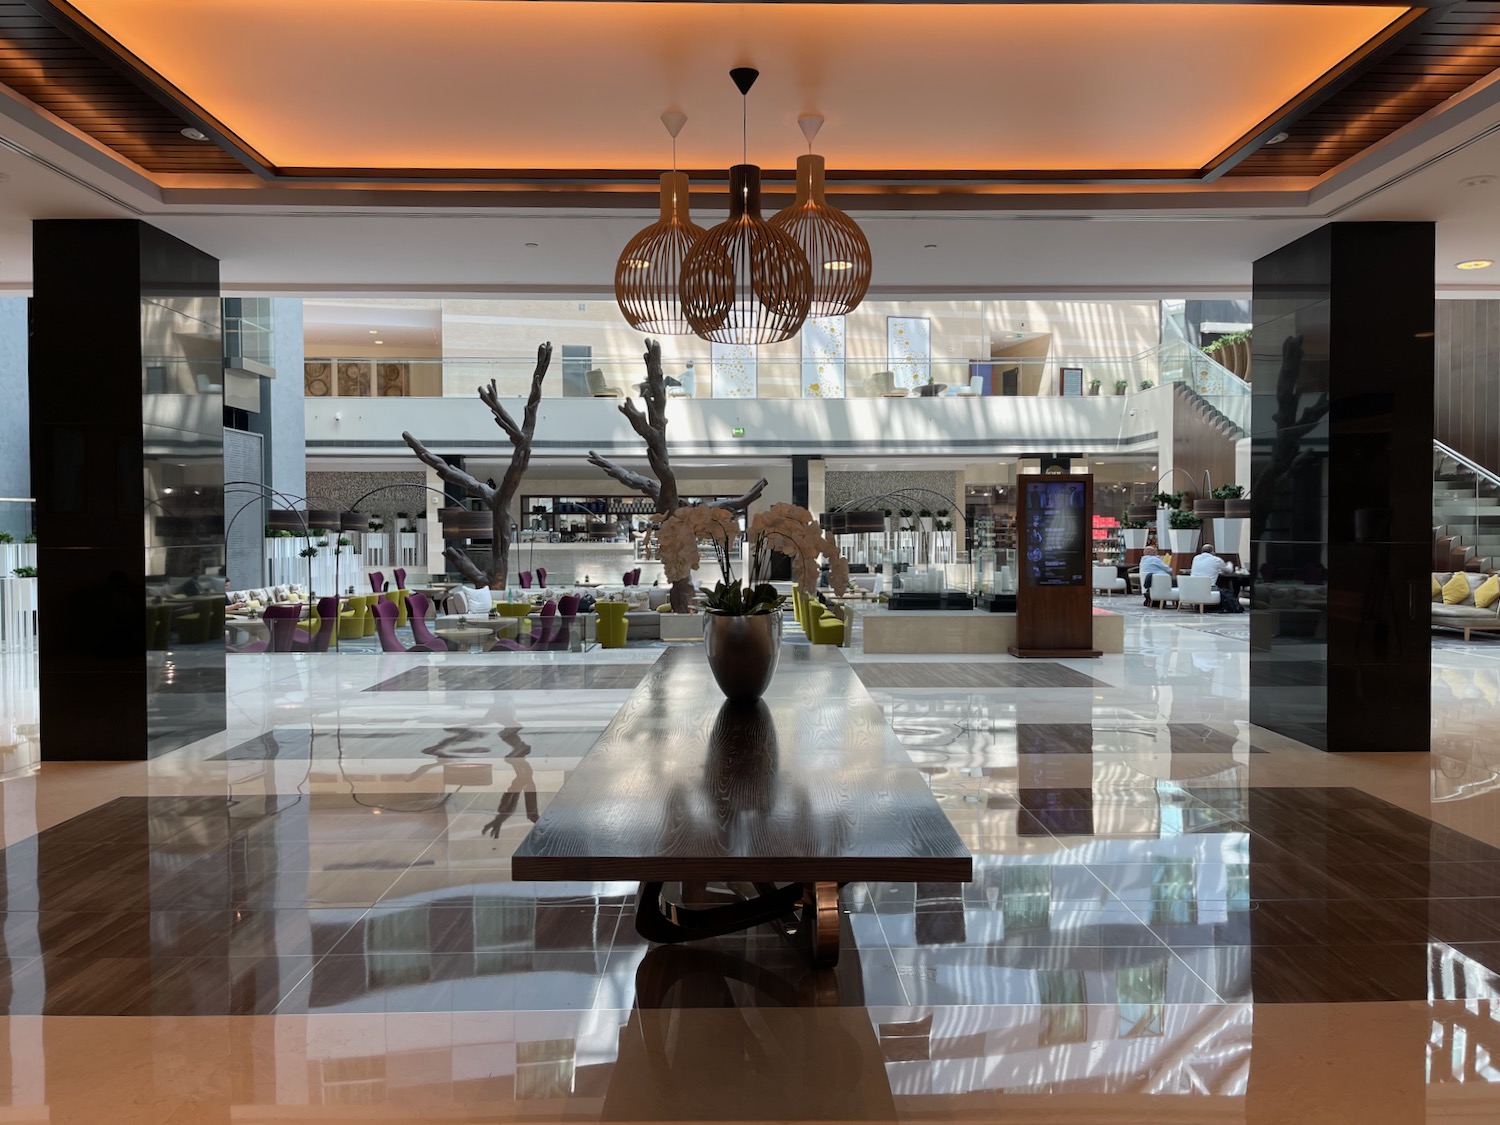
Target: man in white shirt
[1209,565]
[1206,564]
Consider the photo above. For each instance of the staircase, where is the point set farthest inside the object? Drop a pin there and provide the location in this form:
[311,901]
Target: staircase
[1465,513]
[1211,415]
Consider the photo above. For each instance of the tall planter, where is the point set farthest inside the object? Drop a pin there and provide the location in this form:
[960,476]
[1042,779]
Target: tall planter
[742,653]
[1209,509]
[1136,538]
[1163,523]
[1228,534]
[1184,540]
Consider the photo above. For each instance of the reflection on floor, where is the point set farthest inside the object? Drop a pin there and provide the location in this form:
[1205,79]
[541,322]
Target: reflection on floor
[1174,916]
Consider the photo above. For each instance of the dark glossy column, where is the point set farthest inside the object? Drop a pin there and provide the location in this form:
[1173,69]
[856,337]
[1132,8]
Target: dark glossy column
[127,447]
[1340,646]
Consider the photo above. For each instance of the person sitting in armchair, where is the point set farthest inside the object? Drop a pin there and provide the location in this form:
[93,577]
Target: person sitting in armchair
[1206,564]
[1151,563]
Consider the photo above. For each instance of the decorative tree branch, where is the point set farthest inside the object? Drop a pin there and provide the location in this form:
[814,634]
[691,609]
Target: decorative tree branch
[497,500]
[632,480]
[742,504]
[652,428]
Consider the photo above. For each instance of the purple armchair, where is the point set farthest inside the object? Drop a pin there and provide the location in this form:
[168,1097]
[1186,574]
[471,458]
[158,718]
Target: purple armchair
[400,577]
[525,577]
[385,628]
[377,581]
[543,636]
[281,625]
[417,616]
[328,624]
[541,576]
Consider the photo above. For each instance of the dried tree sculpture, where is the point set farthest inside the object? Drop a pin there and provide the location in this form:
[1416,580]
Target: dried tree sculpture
[496,499]
[652,428]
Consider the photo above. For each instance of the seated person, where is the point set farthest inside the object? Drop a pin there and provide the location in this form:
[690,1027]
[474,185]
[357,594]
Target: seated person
[1206,564]
[1151,563]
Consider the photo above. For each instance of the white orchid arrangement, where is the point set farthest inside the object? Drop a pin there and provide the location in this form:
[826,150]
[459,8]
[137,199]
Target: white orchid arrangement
[783,529]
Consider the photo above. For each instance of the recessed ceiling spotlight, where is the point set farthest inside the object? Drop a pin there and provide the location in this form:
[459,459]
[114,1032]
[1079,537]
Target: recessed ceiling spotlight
[1278,138]
[930,246]
[1475,264]
[374,332]
[194,134]
[1477,181]
[380,341]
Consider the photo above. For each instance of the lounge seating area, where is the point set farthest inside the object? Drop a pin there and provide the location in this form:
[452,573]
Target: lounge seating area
[1465,601]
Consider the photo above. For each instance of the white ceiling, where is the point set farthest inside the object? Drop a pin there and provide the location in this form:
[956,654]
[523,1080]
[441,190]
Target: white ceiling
[516,84]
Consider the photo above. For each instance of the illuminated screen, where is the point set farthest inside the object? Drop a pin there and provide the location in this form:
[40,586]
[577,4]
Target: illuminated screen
[1056,534]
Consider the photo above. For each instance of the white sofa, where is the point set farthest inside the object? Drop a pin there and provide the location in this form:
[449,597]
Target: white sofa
[267,595]
[1464,615]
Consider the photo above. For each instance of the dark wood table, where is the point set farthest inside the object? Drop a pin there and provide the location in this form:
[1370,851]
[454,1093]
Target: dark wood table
[784,800]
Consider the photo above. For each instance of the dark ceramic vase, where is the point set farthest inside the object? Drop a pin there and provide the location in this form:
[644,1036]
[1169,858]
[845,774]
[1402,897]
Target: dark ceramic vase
[742,653]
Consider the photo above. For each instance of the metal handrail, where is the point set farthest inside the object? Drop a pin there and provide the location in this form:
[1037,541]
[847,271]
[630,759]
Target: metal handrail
[1458,458]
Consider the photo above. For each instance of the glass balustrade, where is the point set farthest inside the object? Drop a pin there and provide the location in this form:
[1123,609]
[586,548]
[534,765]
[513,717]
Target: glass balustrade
[1465,513]
[745,376]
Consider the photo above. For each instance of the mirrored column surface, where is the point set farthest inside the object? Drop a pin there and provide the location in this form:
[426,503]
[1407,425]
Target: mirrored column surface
[127,459]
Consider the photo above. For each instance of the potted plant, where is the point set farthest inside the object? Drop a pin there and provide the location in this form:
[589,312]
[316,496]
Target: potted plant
[1229,526]
[30,537]
[1095,385]
[1183,533]
[926,517]
[742,618]
[1236,503]
[1135,533]
[1122,386]
[24,572]
[1147,384]
[1166,503]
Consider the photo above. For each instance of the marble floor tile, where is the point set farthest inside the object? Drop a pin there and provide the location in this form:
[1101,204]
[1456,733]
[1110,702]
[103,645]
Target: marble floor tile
[1174,915]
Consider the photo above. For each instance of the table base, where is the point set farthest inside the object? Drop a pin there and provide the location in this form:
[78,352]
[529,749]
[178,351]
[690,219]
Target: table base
[806,914]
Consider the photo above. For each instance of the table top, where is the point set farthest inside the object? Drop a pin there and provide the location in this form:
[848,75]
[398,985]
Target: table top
[809,784]
[467,633]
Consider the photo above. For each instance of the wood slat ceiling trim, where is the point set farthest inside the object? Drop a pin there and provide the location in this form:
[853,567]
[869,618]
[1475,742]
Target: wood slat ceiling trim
[56,67]
[52,56]
[1448,50]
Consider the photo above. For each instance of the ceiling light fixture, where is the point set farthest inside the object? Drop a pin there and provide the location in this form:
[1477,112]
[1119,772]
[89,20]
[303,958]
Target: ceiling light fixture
[1476,181]
[1278,138]
[380,341]
[650,266]
[832,242]
[1475,264]
[745,281]
[194,134]
[374,332]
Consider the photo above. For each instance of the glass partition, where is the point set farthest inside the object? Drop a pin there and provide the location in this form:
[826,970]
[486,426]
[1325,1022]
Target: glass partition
[744,375]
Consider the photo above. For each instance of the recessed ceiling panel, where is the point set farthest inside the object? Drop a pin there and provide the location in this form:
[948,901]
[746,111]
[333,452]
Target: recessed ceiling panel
[447,85]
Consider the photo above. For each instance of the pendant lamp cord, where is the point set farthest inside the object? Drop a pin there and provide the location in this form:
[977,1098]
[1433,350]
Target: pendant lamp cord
[744,128]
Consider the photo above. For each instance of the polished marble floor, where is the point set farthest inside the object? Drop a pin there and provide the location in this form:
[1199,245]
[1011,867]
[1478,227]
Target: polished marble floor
[1174,916]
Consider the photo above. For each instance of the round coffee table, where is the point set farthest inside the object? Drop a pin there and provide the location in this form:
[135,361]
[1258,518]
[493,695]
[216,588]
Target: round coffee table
[466,635]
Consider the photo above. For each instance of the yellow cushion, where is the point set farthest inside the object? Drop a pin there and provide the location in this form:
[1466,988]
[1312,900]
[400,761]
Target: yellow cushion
[1456,589]
[1167,559]
[1437,588]
[1488,591]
